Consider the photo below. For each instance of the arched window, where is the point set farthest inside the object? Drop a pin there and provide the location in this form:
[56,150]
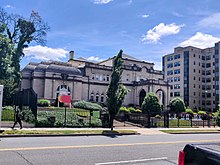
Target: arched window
[102,97]
[92,96]
[63,90]
[97,97]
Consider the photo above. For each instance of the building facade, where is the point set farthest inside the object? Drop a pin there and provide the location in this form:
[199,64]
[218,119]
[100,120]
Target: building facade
[193,74]
[88,81]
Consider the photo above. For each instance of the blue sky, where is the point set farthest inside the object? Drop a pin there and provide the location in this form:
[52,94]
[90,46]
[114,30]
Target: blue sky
[98,29]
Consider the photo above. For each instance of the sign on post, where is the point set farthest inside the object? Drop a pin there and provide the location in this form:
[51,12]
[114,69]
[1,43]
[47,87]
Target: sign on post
[1,97]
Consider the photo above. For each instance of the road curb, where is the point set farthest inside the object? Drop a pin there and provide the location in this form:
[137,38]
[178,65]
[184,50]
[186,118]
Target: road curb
[193,132]
[57,135]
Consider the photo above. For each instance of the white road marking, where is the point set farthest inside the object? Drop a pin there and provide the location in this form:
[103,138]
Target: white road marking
[132,161]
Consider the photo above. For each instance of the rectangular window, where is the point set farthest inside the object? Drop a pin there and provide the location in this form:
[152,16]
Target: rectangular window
[177,56]
[176,93]
[176,63]
[177,86]
[176,79]
[169,58]
[170,65]
[177,71]
[169,72]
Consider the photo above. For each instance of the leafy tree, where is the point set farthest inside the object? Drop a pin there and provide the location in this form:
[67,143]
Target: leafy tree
[16,33]
[151,104]
[6,69]
[177,105]
[21,32]
[116,91]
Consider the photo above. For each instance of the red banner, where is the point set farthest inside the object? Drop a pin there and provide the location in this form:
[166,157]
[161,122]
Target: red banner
[65,99]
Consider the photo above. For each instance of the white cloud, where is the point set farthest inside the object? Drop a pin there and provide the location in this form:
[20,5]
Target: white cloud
[145,16]
[44,53]
[9,6]
[130,2]
[101,1]
[177,14]
[93,58]
[155,34]
[211,21]
[200,40]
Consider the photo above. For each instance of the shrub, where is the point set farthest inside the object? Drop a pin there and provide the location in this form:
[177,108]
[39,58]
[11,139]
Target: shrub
[8,115]
[28,116]
[87,105]
[202,113]
[158,117]
[131,110]
[43,103]
[8,108]
[138,111]
[43,123]
[189,111]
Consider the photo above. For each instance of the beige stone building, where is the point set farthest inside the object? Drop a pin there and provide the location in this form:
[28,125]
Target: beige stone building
[193,74]
[88,81]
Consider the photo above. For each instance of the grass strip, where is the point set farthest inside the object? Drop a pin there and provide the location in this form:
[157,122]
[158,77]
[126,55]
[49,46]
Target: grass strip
[190,131]
[63,132]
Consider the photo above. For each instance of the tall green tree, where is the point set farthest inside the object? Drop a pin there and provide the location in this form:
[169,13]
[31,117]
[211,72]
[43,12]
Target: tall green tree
[116,91]
[16,33]
[21,32]
[6,69]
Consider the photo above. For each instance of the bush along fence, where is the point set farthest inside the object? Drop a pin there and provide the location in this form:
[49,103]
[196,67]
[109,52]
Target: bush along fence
[75,117]
[167,120]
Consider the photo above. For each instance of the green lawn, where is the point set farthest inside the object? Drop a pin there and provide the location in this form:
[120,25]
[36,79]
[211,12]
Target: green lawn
[62,132]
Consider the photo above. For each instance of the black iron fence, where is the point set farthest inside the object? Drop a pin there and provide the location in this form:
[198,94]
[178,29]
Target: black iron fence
[164,121]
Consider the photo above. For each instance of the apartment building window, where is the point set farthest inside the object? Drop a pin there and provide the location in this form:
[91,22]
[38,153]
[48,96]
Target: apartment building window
[194,101]
[203,65]
[208,58]
[176,93]
[194,55]
[208,72]
[177,56]
[177,71]
[203,57]
[208,65]
[176,63]
[177,86]
[199,71]
[199,78]
[194,85]
[194,93]
[169,58]
[171,86]
[194,78]
[199,63]
[176,79]
[199,86]
[203,72]
[170,79]
[170,65]
[194,63]
[208,80]
[171,94]
[169,72]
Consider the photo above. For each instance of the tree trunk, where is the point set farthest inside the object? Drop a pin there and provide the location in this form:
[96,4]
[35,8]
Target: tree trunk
[112,117]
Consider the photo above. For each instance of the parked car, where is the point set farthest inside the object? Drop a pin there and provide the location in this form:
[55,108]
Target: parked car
[200,154]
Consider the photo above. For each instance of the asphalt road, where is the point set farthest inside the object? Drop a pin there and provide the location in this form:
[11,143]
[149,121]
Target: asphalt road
[98,150]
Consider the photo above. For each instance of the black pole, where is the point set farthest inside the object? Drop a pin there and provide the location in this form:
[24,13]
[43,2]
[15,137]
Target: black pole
[65,118]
